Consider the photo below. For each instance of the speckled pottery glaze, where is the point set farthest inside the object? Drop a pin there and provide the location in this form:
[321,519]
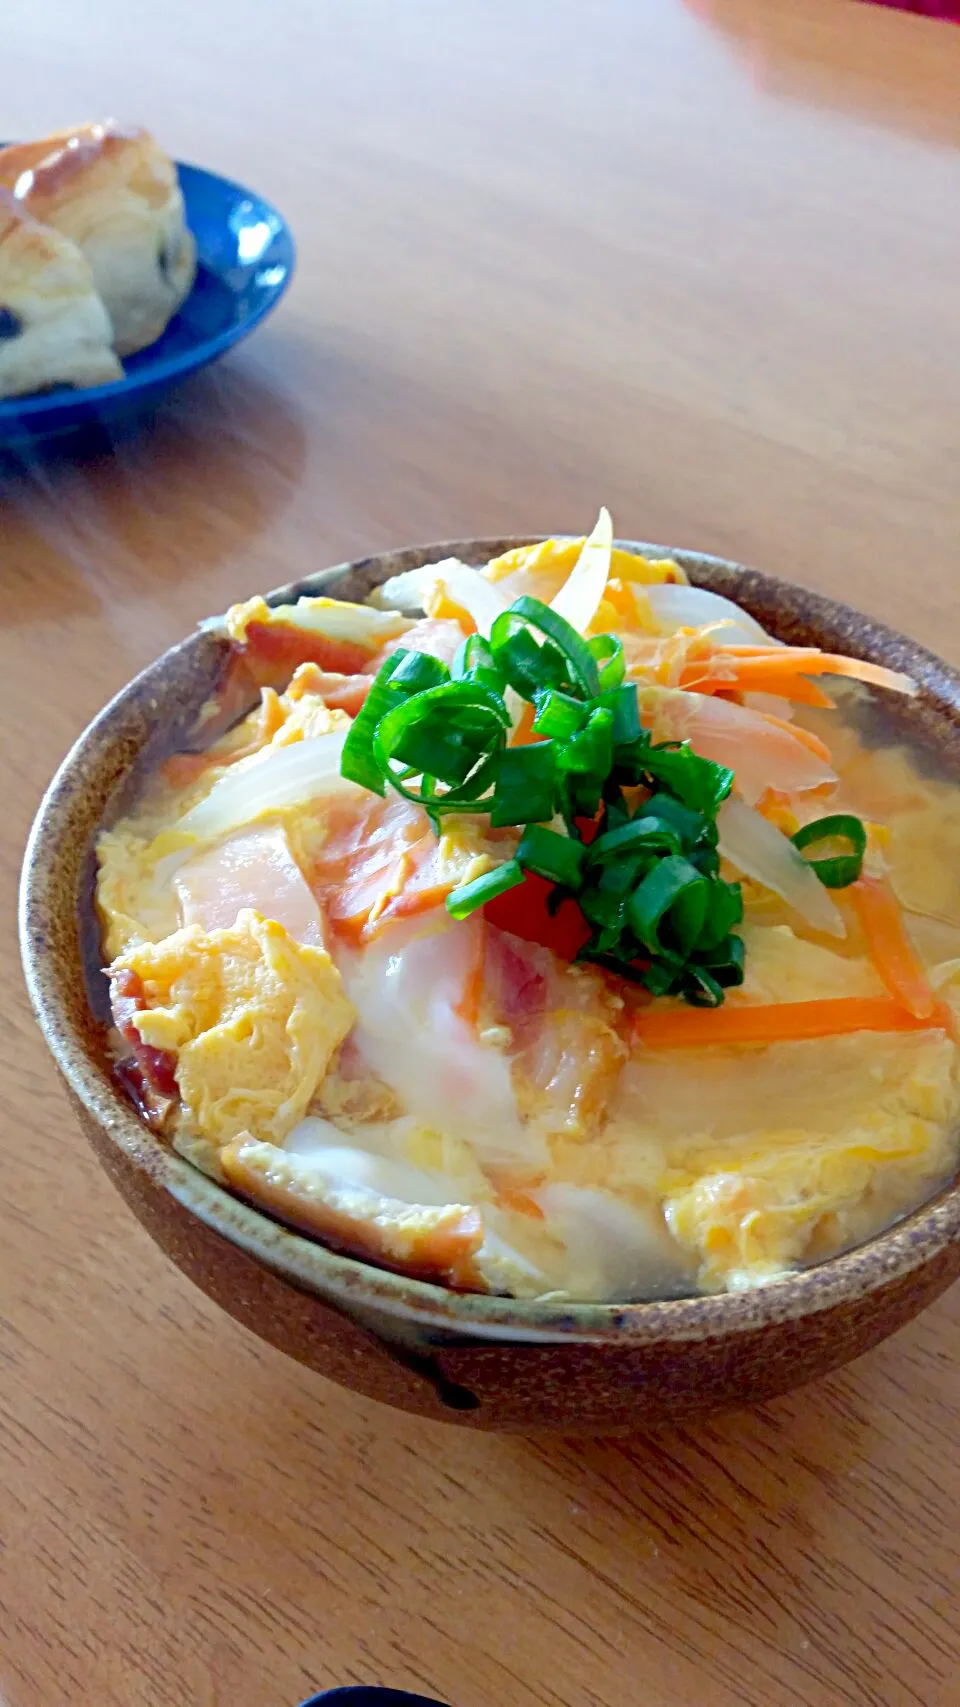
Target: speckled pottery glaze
[485,1362]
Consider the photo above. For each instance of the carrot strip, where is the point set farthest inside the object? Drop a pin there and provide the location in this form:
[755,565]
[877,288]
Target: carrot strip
[893,954]
[694,1028]
[468,1006]
[705,677]
[523,735]
[521,1202]
[805,736]
[801,689]
[808,661]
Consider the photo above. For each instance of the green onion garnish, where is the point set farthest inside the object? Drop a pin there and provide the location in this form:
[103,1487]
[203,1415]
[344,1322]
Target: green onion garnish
[835,871]
[639,853]
[559,858]
[527,785]
[463,901]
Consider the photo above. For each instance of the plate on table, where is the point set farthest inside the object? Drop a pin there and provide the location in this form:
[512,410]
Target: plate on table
[369,1697]
[245,261]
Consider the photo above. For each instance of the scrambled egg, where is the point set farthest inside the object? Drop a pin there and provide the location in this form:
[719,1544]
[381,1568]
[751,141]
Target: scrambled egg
[253,1018]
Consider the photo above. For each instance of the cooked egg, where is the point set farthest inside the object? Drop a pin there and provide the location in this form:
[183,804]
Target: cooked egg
[252,1017]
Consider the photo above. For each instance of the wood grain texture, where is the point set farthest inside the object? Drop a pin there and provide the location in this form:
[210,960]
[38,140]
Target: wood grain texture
[700,261]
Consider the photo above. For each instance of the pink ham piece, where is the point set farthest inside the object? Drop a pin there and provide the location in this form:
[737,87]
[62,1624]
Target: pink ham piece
[253,868]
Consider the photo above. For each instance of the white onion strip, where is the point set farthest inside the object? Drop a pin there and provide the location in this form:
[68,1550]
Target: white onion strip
[675,606]
[760,851]
[284,776]
[579,598]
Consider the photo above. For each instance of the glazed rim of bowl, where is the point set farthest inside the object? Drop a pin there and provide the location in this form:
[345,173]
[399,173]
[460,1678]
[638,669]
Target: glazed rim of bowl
[53,962]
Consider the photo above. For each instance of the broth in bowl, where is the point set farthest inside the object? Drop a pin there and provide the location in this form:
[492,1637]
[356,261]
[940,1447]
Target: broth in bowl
[546,928]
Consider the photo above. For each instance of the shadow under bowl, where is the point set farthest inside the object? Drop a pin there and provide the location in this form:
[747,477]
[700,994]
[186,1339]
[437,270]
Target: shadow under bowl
[491,1363]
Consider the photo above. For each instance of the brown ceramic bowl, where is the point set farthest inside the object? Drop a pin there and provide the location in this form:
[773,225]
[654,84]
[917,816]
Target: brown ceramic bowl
[487,1362]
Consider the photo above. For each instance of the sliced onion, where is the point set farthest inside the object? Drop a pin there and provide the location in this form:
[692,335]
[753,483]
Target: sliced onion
[761,851]
[338,1162]
[472,592]
[676,606]
[579,598]
[761,755]
[466,587]
[406,592]
[613,1250]
[409,991]
[280,777]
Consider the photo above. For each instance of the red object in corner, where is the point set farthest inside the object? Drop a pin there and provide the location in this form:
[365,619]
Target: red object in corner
[946,9]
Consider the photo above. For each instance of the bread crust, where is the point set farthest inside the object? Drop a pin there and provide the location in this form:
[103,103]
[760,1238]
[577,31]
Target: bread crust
[115,193]
[54,329]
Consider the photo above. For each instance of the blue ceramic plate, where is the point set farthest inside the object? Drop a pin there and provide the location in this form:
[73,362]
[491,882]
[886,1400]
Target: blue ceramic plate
[245,260]
[361,1697]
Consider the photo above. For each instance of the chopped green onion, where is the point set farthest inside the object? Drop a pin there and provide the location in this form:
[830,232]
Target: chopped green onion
[526,791]
[726,961]
[454,715]
[648,885]
[608,652]
[390,686]
[473,660]
[606,911]
[622,701]
[584,762]
[417,671]
[558,715]
[724,911]
[649,832]
[558,858]
[661,977]
[673,893]
[465,900]
[835,871]
[528,667]
[687,824]
[701,988]
[698,782]
[524,614]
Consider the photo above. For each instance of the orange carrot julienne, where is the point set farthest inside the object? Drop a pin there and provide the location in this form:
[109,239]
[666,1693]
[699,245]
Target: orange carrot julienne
[801,689]
[808,661]
[523,735]
[754,675]
[521,1202]
[805,736]
[893,954]
[780,1022]
[468,1006]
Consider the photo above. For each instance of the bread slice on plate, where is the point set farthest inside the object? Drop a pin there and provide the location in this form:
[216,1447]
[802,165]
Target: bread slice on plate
[115,194]
[54,329]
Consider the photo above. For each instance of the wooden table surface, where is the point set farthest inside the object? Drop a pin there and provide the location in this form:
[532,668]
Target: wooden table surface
[699,261]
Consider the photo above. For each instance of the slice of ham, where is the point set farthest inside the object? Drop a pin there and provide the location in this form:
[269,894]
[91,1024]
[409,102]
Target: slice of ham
[253,868]
[147,1074]
[566,1049]
[439,637]
[272,651]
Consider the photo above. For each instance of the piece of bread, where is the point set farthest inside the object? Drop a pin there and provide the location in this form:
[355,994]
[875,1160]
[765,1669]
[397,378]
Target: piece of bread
[54,329]
[116,195]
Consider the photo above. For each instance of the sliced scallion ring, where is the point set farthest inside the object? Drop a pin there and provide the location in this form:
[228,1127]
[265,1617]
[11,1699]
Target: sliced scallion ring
[835,871]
